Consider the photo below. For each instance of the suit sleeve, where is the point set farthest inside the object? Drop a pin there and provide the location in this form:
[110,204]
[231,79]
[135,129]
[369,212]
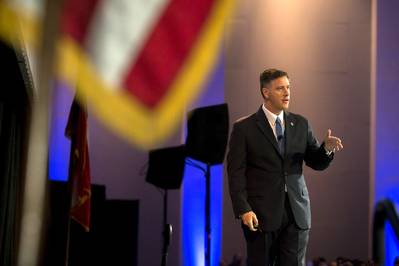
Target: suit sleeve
[236,170]
[315,155]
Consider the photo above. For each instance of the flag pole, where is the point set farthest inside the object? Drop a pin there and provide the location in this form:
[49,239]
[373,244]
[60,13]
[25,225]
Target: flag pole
[69,192]
[32,220]
[69,189]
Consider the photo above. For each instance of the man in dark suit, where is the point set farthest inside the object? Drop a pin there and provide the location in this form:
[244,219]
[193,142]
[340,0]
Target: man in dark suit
[264,164]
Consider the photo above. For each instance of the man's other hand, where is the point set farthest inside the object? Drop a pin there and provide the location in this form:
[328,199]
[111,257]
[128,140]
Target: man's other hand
[331,143]
[250,220]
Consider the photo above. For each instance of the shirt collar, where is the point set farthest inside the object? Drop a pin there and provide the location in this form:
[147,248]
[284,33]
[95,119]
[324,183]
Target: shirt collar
[271,117]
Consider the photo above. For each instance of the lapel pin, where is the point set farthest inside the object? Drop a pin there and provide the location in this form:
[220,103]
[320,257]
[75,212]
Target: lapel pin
[292,124]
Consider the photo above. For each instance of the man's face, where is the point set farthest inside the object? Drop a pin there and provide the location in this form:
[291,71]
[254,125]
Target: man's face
[277,95]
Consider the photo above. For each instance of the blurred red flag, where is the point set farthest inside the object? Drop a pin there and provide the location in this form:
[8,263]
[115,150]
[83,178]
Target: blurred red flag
[79,165]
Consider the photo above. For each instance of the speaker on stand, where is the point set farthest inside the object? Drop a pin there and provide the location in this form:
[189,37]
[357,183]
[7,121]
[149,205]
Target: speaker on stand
[207,136]
[165,171]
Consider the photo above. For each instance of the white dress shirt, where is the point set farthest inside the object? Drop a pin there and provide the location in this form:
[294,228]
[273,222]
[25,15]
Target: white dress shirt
[271,117]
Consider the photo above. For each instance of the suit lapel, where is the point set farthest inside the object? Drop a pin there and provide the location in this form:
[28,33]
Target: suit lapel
[289,131]
[264,126]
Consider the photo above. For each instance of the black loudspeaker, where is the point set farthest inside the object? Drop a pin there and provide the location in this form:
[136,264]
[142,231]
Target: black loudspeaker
[208,129]
[166,167]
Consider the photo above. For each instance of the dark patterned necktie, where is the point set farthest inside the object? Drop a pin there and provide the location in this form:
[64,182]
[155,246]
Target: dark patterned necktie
[280,136]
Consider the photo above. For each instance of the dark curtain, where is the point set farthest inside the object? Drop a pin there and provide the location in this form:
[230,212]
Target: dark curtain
[14,109]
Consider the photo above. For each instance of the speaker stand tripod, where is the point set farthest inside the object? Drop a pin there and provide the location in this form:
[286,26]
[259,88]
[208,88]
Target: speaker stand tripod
[208,215]
[167,230]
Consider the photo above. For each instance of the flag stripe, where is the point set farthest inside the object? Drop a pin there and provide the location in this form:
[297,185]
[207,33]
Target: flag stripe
[165,51]
[117,33]
[76,17]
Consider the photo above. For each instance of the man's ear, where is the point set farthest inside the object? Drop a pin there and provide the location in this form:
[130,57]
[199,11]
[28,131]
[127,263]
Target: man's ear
[265,93]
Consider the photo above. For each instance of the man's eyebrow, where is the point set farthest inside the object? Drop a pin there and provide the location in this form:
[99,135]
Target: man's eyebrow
[283,86]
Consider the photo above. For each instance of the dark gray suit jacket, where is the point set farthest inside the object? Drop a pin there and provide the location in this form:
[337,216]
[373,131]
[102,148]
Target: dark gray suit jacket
[258,173]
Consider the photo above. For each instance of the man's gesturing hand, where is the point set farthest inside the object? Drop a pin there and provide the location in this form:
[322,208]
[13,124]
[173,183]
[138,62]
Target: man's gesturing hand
[332,143]
[250,220]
